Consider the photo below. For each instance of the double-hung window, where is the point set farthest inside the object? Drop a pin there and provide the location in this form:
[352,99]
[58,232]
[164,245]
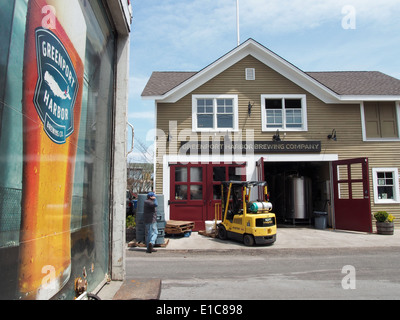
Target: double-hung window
[386,185]
[286,112]
[215,112]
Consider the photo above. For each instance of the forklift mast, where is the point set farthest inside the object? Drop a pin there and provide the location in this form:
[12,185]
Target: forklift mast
[240,191]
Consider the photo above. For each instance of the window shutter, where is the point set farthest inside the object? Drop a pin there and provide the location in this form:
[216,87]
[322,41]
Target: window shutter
[371,111]
[388,121]
[380,120]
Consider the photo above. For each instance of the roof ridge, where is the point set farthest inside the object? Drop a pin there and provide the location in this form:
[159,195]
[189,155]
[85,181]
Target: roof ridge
[175,71]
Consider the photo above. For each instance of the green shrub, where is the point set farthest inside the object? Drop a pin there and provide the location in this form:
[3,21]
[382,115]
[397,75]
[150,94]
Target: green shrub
[130,222]
[381,216]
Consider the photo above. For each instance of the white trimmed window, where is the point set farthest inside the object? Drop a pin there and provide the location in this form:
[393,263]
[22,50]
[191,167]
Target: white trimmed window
[215,112]
[386,185]
[286,112]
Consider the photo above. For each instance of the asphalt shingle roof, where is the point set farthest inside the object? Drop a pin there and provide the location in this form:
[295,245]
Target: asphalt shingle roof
[341,82]
[162,82]
[358,82]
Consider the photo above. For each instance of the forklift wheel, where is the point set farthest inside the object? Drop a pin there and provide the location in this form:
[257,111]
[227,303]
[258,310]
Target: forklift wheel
[248,240]
[222,232]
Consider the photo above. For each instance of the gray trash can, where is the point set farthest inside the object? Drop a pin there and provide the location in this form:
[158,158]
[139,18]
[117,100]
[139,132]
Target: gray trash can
[320,220]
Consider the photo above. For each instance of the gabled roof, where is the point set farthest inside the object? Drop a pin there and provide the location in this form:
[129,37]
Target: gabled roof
[330,87]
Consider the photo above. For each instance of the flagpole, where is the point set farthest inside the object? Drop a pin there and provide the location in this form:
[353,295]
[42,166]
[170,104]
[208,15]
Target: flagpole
[237,22]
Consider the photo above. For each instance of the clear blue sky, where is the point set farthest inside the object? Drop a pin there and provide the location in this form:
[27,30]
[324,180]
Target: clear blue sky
[314,35]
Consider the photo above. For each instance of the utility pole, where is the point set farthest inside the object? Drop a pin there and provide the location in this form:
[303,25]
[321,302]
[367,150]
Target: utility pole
[237,22]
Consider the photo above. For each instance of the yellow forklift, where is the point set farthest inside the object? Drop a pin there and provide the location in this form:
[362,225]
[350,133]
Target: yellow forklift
[244,220]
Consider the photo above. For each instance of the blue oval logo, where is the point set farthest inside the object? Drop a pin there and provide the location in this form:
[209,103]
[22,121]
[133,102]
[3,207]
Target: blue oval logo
[56,88]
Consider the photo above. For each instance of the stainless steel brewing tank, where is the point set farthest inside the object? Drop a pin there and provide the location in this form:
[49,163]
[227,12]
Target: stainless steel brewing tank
[298,197]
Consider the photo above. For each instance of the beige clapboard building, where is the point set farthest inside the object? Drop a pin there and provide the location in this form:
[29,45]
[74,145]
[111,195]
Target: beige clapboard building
[323,141]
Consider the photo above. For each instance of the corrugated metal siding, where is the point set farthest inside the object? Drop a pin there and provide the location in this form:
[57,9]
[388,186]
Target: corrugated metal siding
[322,119]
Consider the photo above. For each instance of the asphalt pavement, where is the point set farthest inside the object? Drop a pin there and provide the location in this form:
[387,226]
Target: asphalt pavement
[287,238]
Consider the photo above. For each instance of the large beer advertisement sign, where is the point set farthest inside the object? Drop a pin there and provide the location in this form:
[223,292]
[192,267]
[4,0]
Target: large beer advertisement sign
[52,86]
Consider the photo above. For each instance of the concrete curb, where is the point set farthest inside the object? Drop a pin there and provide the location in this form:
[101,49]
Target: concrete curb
[143,289]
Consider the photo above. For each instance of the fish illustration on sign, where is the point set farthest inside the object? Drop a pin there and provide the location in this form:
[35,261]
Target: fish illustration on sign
[53,85]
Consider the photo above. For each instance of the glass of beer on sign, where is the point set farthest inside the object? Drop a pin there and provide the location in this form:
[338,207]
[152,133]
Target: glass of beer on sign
[52,98]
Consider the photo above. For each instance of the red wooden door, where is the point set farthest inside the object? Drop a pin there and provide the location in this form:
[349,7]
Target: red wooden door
[351,195]
[188,194]
[216,173]
[196,188]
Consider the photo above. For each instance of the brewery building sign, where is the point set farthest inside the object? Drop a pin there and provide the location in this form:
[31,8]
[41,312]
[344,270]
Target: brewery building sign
[250,147]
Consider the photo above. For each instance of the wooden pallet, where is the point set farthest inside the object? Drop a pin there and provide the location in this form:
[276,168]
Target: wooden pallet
[213,234]
[177,227]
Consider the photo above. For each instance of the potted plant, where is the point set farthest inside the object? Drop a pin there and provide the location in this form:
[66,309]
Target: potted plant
[130,228]
[384,222]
